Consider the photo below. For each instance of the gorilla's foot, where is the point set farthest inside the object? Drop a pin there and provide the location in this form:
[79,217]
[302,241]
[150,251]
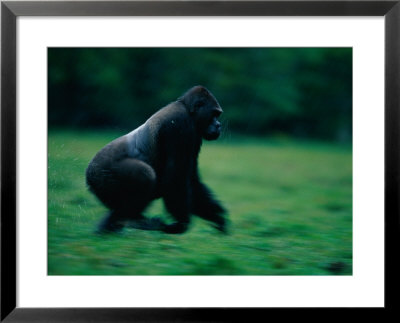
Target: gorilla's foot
[110,224]
[153,224]
[176,228]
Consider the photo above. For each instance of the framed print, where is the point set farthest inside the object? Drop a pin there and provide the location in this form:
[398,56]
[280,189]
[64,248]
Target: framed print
[304,174]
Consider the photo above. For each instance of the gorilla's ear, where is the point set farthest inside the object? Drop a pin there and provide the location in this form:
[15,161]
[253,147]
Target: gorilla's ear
[194,98]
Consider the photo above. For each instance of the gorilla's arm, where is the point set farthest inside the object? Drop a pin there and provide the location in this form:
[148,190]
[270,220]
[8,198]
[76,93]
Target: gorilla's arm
[175,182]
[176,196]
[205,205]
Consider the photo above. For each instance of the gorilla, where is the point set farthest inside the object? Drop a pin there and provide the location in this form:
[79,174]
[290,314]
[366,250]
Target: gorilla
[159,160]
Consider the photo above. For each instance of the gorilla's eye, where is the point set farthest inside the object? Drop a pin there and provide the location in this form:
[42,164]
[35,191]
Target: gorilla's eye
[198,104]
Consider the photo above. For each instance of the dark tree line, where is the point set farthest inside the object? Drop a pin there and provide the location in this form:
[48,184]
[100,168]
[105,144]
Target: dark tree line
[302,92]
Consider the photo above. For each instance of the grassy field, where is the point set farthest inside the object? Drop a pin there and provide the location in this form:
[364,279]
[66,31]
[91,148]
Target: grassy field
[289,203]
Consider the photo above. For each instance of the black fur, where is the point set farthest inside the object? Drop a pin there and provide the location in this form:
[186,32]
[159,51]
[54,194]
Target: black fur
[159,159]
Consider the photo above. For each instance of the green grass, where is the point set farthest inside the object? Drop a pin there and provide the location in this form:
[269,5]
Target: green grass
[289,203]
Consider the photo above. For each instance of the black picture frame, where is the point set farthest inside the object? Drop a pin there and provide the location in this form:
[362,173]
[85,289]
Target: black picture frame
[10,10]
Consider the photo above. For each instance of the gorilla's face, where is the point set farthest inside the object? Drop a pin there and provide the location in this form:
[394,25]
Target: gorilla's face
[213,130]
[203,106]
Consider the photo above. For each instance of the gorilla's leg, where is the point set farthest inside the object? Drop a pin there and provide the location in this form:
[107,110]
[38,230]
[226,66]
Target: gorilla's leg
[129,188]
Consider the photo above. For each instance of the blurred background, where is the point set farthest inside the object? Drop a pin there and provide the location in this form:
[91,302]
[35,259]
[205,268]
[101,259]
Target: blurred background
[282,167]
[300,92]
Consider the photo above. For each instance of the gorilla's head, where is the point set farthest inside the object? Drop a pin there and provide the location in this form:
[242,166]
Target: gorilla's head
[205,110]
